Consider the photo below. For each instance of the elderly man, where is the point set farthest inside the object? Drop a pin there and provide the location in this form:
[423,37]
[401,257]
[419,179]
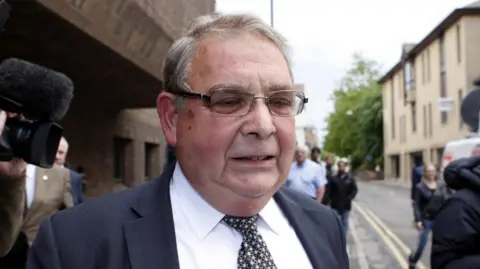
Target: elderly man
[76,179]
[228,109]
[307,176]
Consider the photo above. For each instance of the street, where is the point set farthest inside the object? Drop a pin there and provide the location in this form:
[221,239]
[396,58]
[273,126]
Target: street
[381,228]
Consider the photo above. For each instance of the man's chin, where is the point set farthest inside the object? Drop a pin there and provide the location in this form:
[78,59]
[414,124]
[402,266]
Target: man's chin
[256,190]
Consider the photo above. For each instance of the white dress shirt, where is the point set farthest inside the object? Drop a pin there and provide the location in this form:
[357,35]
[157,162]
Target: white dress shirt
[205,242]
[30,184]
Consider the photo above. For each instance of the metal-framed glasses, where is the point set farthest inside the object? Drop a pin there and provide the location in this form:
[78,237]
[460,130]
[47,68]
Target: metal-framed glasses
[234,102]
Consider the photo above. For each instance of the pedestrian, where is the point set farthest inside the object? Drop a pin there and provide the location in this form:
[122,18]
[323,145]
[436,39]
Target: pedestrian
[329,164]
[342,190]
[429,197]
[228,107]
[307,176]
[316,155]
[417,174]
[456,233]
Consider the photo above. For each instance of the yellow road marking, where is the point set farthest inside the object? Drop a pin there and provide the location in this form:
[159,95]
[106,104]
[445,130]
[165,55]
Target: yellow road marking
[393,236]
[395,251]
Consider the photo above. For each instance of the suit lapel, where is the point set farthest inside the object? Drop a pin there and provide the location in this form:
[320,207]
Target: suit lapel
[40,175]
[151,237]
[304,227]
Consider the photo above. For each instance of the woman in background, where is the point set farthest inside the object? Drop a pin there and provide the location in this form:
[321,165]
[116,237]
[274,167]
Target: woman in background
[429,197]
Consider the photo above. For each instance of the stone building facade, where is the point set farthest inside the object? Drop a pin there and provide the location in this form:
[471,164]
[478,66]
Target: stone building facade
[113,51]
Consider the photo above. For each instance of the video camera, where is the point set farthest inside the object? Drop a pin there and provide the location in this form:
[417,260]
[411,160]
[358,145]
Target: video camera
[42,96]
[36,142]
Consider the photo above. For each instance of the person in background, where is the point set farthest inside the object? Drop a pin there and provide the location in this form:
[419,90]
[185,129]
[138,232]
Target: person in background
[76,178]
[342,190]
[416,178]
[307,176]
[328,175]
[316,155]
[429,197]
[456,233]
[346,164]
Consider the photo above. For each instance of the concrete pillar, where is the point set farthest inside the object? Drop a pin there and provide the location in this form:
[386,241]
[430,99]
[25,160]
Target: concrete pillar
[404,166]
[387,167]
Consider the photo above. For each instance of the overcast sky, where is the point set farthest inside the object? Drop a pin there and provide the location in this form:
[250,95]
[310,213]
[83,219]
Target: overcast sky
[324,34]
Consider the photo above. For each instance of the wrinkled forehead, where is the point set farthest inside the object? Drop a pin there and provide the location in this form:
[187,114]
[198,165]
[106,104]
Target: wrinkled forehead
[245,61]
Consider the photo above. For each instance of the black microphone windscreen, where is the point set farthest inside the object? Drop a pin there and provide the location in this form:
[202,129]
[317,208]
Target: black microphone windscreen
[44,93]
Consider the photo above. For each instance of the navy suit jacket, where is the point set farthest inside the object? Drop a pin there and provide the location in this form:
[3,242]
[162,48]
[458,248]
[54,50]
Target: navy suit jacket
[76,181]
[134,229]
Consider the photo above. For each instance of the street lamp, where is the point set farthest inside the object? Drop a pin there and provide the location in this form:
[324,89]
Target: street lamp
[271,13]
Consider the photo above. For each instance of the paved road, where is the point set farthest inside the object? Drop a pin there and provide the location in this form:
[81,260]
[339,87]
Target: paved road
[382,233]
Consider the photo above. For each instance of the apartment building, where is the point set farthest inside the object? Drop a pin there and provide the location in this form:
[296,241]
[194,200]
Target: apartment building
[424,90]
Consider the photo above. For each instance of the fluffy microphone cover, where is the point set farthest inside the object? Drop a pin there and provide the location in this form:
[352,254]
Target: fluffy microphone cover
[45,94]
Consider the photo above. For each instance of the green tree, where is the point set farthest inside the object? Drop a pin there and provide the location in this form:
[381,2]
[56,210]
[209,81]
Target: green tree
[355,127]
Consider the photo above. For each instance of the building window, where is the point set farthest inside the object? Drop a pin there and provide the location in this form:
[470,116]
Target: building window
[428,66]
[401,89]
[423,68]
[119,159]
[459,44]
[392,107]
[403,130]
[460,98]
[430,120]
[408,74]
[400,122]
[443,77]
[414,116]
[425,126]
[150,150]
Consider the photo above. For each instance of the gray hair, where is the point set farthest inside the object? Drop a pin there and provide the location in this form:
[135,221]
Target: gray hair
[303,148]
[179,57]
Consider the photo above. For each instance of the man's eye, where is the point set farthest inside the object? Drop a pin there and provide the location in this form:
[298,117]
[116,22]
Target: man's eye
[229,102]
[281,102]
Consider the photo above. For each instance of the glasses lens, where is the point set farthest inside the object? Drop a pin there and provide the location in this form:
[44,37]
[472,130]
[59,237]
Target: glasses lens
[285,103]
[230,102]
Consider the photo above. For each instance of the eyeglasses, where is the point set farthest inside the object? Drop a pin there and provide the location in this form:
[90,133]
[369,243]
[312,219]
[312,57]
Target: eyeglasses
[234,102]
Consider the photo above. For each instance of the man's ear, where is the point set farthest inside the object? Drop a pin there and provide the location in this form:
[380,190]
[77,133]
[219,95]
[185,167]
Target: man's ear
[167,113]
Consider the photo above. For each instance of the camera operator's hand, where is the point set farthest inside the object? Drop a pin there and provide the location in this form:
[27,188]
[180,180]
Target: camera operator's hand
[16,167]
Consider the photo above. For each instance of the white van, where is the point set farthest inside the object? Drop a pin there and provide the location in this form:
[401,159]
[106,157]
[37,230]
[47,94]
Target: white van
[458,149]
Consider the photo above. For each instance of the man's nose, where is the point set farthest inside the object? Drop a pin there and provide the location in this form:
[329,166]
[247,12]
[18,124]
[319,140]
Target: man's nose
[260,121]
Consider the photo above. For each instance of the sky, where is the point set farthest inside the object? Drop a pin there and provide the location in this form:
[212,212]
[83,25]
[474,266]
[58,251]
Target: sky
[324,34]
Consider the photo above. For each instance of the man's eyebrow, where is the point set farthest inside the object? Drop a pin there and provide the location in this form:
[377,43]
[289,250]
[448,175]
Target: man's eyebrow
[271,88]
[279,87]
[226,86]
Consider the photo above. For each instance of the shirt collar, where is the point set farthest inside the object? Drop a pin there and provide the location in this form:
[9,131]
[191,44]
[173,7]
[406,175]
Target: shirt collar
[203,218]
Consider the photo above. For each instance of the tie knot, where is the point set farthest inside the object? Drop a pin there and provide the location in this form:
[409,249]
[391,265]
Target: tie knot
[242,224]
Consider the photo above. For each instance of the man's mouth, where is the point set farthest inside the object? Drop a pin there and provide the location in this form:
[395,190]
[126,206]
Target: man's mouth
[255,158]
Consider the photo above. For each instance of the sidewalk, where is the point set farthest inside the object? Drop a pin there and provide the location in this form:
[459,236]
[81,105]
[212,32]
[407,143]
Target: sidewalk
[399,183]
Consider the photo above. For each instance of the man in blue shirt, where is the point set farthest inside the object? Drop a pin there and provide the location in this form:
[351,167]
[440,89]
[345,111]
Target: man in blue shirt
[307,176]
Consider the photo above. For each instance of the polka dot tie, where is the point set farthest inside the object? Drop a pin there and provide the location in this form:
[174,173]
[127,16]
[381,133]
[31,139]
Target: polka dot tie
[253,252]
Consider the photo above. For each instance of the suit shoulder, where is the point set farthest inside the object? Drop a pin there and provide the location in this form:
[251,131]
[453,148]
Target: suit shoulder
[102,208]
[308,203]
